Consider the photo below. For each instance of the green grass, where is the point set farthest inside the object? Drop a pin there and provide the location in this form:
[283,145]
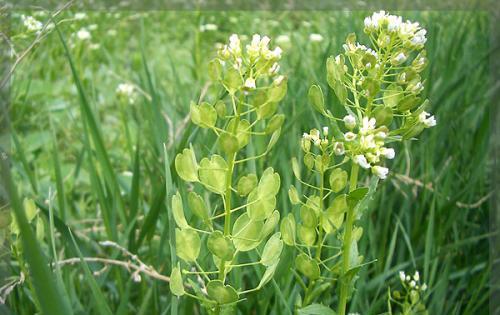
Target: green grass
[104,159]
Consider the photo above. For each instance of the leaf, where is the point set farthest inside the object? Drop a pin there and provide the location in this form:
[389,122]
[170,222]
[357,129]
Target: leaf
[222,294]
[176,284]
[212,174]
[187,243]
[307,266]
[203,115]
[246,184]
[288,229]
[220,245]
[246,233]
[272,250]
[186,165]
[316,309]
[178,211]
[316,98]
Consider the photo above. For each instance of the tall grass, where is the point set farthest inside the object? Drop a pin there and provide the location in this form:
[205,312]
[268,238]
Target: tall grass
[110,162]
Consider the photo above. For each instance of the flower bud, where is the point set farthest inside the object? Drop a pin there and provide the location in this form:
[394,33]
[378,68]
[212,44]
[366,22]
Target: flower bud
[350,122]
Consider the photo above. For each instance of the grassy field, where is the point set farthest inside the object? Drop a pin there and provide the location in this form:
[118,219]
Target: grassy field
[93,162]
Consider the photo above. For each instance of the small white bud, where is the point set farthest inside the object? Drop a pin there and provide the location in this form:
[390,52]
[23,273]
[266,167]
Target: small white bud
[349,121]
[350,136]
[250,83]
[361,161]
[325,131]
[380,171]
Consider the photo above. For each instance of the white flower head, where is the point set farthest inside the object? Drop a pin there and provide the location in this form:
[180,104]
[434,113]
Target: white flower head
[350,136]
[83,34]
[400,58]
[316,37]
[361,161]
[325,131]
[250,83]
[368,124]
[389,153]
[32,24]
[427,119]
[126,90]
[402,276]
[413,284]
[349,121]
[380,171]
[338,148]
[80,16]
[416,276]
[234,45]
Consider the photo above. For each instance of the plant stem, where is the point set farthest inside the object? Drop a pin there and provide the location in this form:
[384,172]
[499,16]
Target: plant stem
[346,246]
[320,230]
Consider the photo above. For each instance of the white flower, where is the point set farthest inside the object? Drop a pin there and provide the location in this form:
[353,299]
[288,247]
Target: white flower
[274,69]
[234,44]
[349,136]
[361,161]
[427,119]
[315,37]
[417,88]
[250,83]
[367,125]
[402,276]
[317,142]
[388,153]
[125,89]
[424,287]
[400,58]
[381,135]
[208,27]
[413,284]
[305,135]
[83,34]
[338,148]
[394,22]
[350,121]
[380,171]
[283,39]
[367,142]
[276,52]
[32,24]
[80,16]
[416,276]
[92,27]
[325,131]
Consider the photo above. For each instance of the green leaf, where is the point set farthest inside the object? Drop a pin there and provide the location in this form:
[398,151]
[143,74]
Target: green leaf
[307,235]
[393,95]
[187,243]
[246,233]
[220,245]
[186,165]
[288,229]
[272,250]
[176,284]
[316,98]
[178,211]
[213,174]
[246,184]
[203,115]
[198,207]
[307,266]
[316,309]
[222,294]
[338,179]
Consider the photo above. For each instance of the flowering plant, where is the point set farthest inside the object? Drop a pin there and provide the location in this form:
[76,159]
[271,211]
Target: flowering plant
[246,108]
[380,90]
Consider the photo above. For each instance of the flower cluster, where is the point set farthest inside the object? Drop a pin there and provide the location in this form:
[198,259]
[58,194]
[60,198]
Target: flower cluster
[413,282]
[126,91]
[411,299]
[32,24]
[409,33]
[257,59]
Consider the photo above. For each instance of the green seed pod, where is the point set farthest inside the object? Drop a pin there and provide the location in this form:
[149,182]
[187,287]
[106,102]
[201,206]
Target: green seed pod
[383,115]
[309,161]
[220,108]
[176,285]
[308,217]
[232,80]
[272,250]
[288,229]
[293,195]
[338,180]
[214,70]
[246,233]
[246,184]
[187,244]
[222,294]
[393,95]
[228,143]
[203,115]
[178,211]
[305,144]
[275,123]
[198,207]
[408,103]
[316,98]
[213,173]
[278,89]
[307,235]
[242,133]
[220,245]
[186,165]
[307,266]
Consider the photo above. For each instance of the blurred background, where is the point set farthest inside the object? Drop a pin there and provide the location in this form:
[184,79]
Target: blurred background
[431,214]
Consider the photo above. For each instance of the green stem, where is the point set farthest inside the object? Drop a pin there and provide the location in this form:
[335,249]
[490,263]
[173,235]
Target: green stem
[320,232]
[346,246]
